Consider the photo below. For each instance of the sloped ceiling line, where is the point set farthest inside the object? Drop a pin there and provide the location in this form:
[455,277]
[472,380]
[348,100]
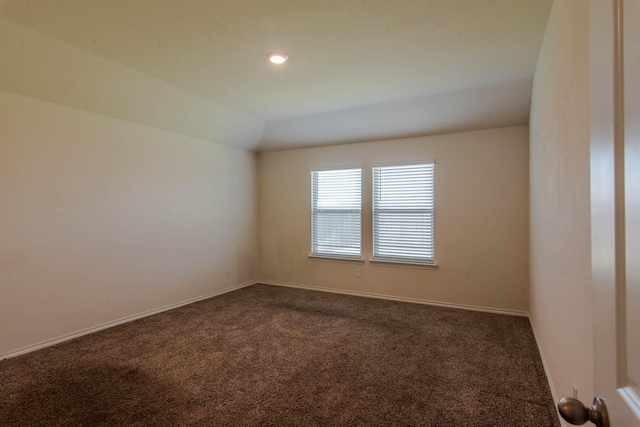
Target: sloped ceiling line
[358,69]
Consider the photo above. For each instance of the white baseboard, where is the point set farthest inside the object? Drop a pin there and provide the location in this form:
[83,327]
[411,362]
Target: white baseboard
[117,322]
[401,299]
[111,324]
[547,372]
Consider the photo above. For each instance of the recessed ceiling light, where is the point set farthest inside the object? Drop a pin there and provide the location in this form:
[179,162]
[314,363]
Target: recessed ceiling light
[277,57]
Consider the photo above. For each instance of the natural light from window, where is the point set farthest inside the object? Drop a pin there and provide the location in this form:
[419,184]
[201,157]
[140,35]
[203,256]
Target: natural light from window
[336,213]
[403,213]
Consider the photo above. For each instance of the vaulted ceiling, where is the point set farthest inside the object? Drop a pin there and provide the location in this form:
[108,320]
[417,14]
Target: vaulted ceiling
[357,69]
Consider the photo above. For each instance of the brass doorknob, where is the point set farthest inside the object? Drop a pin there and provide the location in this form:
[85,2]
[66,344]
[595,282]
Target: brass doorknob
[574,412]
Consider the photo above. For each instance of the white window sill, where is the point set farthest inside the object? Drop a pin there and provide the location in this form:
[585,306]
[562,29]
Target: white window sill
[404,263]
[335,258]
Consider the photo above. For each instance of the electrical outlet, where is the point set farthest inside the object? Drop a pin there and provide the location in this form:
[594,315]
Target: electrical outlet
[228,268]
[357,272]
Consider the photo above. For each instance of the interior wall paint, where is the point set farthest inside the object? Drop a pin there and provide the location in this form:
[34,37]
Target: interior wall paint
[42,67]
[494,106]
[560,282]
[481,219]
[102,219]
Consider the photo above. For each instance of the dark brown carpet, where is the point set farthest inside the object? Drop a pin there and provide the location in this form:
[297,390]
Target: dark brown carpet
[267,356]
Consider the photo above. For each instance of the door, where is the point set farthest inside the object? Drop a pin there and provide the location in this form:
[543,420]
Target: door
[615,205]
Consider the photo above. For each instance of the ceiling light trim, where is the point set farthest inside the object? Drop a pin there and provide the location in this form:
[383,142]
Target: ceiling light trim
[277,58]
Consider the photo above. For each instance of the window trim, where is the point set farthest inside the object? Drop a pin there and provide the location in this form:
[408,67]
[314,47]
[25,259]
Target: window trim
[357,260]
[336,257]
[408,262]
[402,263]
[401,163]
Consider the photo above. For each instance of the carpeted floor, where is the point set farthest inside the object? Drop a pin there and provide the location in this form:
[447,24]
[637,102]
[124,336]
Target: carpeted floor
[272,356]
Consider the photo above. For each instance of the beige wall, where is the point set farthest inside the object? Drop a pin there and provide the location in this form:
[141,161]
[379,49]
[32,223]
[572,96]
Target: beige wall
[102,219]
[481,234]
[560,295]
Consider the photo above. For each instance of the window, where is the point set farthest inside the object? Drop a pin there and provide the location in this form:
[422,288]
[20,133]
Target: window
[336,213]
[403,213]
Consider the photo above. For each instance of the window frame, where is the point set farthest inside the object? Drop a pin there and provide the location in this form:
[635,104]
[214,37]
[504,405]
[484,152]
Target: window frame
[313,254]
[407,261]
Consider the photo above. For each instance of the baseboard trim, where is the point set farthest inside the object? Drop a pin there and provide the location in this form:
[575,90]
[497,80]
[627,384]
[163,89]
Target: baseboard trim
[123,320]
[113,323]
[547,372]
[401,299]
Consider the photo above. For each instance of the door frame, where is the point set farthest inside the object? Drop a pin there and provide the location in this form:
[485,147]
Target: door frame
[607,207]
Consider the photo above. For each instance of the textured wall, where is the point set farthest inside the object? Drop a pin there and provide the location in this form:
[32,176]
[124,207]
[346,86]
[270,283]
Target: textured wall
[481,219]
[560,295]
[102,219]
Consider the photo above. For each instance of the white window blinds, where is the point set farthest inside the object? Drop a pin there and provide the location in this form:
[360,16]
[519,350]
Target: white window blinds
[336,212]
[403,213]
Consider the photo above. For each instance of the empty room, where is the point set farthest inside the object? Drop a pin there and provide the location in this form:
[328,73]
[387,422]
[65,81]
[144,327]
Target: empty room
[354,212]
